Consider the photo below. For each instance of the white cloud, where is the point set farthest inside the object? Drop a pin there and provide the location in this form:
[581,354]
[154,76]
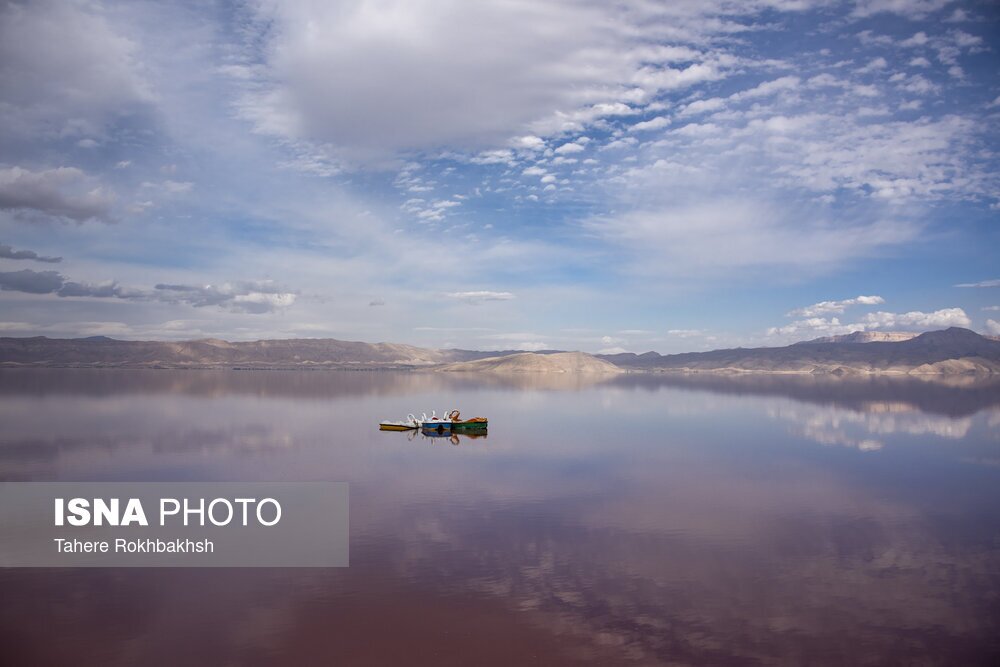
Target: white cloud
[479,74]
[260,296]
[63,192]
[918,39]
[813,326]
[982,283]
[914,9]
[478,296]
[624,142]
[65,71]
[917,320]
[703,106]
[911,321]
[964,40]
[918,84]
[768,88]
[495,156]
[648,125]
[569,148]
[993,327]
[873,65]
[826,307]
[529,142]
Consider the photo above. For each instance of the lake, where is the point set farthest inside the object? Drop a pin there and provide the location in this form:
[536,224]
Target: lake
[639,519]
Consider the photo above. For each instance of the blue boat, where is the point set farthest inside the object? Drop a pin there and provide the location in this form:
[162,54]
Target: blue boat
[435,424]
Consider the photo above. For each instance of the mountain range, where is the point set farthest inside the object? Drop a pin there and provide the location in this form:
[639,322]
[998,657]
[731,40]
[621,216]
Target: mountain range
[950,351]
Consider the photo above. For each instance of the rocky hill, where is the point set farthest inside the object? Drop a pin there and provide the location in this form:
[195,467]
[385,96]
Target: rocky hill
[864,337]
[530,362]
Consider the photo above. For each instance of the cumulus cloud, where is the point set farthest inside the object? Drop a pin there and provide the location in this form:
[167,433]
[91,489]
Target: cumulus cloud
[652,124]
[65,71]
[568,148]
[479,74]
[63,192]
[8,252]
[917,320]
[768,88]
[703,106]
[479,296]
[993,327]
[826,307]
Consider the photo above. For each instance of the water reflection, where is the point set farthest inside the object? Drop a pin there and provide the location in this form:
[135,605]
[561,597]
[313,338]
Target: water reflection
[952,395]
[641,519]
[433,437]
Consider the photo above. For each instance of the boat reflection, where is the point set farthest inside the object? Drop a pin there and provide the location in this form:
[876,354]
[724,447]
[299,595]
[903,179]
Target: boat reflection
[440,437]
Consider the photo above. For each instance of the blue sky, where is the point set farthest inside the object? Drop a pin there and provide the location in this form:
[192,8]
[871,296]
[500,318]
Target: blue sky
[578,175]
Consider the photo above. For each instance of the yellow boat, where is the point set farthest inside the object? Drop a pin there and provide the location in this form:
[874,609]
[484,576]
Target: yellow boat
[387,426]
[409,424]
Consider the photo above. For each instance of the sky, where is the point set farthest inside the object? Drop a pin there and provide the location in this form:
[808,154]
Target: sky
[511,174]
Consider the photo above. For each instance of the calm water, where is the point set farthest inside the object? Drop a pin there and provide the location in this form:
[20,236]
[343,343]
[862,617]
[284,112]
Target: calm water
[641,520]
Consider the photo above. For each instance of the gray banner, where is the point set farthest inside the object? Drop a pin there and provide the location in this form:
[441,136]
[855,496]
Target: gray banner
[228,524]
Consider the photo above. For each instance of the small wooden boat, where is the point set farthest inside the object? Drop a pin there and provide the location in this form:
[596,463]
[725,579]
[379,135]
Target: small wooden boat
[409,424]
[474,424]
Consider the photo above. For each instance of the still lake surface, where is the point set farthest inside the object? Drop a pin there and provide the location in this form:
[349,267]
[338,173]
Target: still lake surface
[637,520]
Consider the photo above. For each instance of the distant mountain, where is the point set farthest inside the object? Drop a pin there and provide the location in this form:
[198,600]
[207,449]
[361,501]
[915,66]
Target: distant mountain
[99,351]
[530,362]
[950,351]
[863,337]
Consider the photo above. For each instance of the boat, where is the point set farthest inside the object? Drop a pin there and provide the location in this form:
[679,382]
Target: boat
[434,423]
[474,424]
[452,421]
[408,424]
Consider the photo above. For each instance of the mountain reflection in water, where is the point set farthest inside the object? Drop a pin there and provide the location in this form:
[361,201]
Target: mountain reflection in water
[636,519]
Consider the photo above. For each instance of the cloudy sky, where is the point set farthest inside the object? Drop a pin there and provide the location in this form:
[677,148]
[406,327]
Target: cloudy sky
[521,174]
